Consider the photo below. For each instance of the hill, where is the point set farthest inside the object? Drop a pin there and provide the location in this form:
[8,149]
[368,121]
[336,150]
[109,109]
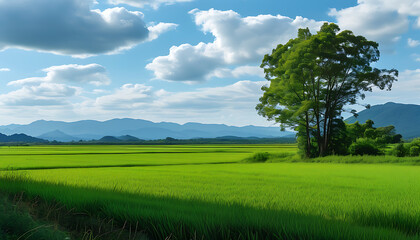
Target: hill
[20,138]
[138,128]
[405,117]
[59,136]
[109,139]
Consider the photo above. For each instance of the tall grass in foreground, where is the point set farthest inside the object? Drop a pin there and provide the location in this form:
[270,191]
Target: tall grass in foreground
[163,217]
[380,195]
[17,223]
[193,192]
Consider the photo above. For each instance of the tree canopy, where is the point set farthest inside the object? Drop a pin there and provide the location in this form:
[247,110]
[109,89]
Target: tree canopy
[314,77]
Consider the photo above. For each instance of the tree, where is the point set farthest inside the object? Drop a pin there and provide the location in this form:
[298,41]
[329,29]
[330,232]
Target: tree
[313,77]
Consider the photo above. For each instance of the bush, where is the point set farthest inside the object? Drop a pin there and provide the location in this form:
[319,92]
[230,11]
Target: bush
[364,146]
[259,157]
[414,151]
[415,142]
[400,150]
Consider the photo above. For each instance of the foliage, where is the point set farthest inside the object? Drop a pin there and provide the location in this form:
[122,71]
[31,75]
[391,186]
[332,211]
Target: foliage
[409,149]
[313,77]
[364,146]
[355,138]
[400,150]
[414,151]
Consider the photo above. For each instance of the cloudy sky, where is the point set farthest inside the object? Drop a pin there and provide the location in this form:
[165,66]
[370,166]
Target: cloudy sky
[176,60]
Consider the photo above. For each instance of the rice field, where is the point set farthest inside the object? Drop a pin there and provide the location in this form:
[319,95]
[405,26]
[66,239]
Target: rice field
[207,192]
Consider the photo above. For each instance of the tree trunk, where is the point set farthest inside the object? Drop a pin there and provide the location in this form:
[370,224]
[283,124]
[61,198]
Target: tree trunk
[308,138]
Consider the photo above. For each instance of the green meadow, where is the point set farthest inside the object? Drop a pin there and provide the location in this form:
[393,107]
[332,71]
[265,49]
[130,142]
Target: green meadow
[210,192]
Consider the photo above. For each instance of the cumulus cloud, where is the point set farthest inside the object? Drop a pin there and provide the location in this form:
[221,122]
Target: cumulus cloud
[379,20]
[242,94]
[4,69]
[69,27]
[143,3]
[239,72]
[156,30]
[413,43]
[94,74]
[405,90]
[54,89]
[129,96]
[231,104]
[237,40]
[44,94]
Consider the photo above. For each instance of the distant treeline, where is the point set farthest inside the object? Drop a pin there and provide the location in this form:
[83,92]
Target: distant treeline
[167,141]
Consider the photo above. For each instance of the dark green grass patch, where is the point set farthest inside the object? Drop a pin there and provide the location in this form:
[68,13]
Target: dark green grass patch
[261,157]
[17,223]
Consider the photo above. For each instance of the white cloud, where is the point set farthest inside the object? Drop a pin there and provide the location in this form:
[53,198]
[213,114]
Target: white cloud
[129,96]
[234,104]
[69,27]
[238,40]
[379,20]
[143,3]
[52,89]
[94,74]
[156,30]
[240,95]
[186,63]
[413,43]
[239,72]
[44,94]
[405,90]
[4,69]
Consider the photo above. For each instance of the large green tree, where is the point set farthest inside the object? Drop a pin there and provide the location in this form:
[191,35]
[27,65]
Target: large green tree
[313,77]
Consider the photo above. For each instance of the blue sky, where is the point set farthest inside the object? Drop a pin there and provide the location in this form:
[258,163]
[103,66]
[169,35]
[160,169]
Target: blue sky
[176,60]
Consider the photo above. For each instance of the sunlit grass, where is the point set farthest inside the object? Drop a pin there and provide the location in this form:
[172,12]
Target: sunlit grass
[38,157]
[216,195]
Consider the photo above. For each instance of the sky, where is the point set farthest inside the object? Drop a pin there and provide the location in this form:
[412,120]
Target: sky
[177,60]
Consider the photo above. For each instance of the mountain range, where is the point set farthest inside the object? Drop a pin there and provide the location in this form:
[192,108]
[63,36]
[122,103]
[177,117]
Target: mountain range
[19,138]
[138,128]
[405,117]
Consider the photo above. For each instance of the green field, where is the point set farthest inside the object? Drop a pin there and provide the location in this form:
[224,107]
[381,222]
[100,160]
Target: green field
[208,192]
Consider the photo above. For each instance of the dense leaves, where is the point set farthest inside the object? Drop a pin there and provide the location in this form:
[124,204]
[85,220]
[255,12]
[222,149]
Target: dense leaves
[313,77]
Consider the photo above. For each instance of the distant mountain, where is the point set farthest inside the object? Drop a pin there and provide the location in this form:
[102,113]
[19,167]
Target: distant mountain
[21,138]
[59,136]
[138,128]
[109,139]
[128,138]
[405,117]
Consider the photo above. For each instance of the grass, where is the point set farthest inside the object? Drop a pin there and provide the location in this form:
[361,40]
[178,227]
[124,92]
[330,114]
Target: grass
[174,218]
[284,157]
[17,223]
[209,192]
[50,157]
